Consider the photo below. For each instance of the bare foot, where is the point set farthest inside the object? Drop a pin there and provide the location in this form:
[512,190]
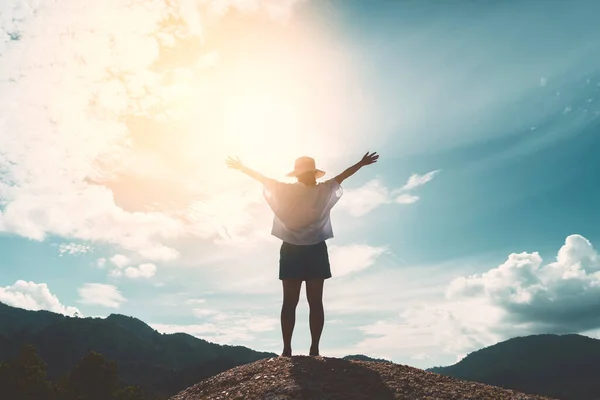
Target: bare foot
[286,353]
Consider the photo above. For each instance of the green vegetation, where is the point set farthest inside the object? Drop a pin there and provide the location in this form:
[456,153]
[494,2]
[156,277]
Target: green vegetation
[93,378]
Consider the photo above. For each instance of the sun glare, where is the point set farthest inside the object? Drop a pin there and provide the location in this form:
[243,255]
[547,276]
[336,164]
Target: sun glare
[267,104]
[266,92]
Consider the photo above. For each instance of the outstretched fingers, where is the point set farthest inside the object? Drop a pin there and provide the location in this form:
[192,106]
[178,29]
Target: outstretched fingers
[235,163]
[370,158]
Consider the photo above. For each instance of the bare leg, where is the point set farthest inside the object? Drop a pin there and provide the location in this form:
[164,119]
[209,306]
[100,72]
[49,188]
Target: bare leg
[314,295]
[291,294]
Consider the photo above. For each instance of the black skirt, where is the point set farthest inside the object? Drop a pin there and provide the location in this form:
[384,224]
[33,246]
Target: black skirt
[304,262]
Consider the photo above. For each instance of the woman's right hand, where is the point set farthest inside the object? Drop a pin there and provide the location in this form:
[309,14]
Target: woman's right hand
[234,163]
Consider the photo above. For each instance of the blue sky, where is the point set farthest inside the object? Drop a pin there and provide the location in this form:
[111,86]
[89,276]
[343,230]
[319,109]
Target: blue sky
[476,225]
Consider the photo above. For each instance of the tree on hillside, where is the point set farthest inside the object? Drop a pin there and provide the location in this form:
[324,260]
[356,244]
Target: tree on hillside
[93,378]
[24,377]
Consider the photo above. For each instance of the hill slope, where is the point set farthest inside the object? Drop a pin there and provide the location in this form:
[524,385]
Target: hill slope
[563,366]
[360,357]
[303,377]
[161,364]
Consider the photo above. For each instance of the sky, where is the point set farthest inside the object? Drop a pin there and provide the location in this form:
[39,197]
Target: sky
[477,224]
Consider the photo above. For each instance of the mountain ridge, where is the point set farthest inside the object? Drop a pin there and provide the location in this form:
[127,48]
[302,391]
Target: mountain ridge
[562,366]
[160,363]
[164,364]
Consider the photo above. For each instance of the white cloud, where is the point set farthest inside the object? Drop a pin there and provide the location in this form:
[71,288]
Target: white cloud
[73,248]
[101,295]
[101,262]
[560,296]
[34,296]
[195,301]
[204,312]
[391,286]
[231,323]
[346,260]
[406,199]
[124,268]
[421,356]
[225,328]
[433,328]
[417,180]
[141,271]
[359,202]
[159,253]
[521,296]
[115,273]
[120,260]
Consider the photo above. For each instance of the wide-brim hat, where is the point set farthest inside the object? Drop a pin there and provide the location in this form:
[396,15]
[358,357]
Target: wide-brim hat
[306,164]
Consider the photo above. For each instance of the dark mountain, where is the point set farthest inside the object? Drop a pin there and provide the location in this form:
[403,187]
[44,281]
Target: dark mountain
[161,364]
[559,366]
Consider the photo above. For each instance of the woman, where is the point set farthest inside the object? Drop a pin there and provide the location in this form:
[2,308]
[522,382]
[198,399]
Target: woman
[302,222]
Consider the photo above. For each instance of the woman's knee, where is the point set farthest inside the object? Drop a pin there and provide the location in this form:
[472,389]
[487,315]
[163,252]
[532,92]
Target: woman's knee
[315,303]
[291,293]
[290,304]
[314,292]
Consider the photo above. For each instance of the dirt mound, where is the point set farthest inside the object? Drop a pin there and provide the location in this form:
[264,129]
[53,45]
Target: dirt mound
[307,378]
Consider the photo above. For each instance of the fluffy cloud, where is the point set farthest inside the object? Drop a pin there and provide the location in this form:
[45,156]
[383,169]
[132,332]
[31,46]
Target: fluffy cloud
[101,295]
[560,296]
[443,330]
[73,248]
[122,267]
[141,271]
[350,259]
[521,296]
[120,260]
[361,201]
[34,296]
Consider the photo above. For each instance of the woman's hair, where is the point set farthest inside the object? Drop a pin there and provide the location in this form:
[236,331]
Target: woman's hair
[307,177]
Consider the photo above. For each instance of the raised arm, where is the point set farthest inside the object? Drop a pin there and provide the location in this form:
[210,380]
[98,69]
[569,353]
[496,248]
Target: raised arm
[236,163]
[366,160]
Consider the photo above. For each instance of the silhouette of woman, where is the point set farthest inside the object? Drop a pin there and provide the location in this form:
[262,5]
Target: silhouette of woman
[302,221]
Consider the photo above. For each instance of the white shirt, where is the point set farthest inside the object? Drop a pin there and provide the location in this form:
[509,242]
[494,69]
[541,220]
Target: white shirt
[302,212]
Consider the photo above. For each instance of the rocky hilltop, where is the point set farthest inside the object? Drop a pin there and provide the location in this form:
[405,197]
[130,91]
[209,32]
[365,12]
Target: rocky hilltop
[308,378]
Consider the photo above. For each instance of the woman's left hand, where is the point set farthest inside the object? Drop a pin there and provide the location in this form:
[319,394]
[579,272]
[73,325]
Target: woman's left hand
[369,159]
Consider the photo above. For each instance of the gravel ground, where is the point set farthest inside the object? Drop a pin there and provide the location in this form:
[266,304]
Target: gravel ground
[324,378]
